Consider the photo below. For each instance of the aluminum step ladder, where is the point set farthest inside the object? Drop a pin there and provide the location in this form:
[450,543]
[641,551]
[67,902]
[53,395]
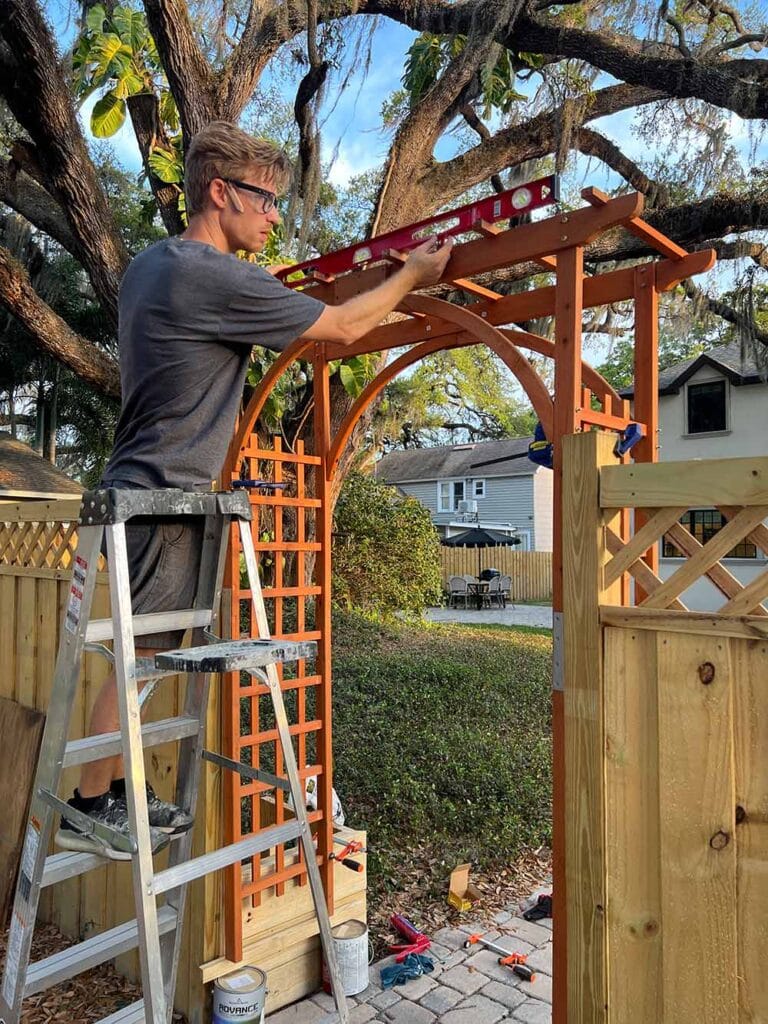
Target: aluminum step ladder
[156,930]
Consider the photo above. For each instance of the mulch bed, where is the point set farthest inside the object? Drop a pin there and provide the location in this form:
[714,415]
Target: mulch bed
[422,895]
[87,998]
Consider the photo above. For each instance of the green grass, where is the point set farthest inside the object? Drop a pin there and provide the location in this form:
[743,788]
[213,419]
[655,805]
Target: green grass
[442,739]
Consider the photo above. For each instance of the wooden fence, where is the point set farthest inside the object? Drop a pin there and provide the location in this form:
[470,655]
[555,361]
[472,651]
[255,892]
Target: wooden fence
[531,571]
[666,733]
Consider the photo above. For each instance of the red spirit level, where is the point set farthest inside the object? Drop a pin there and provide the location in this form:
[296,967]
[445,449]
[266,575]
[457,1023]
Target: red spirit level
[517,201]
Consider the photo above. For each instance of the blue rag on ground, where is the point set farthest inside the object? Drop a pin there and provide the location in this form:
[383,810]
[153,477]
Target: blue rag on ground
[414,965]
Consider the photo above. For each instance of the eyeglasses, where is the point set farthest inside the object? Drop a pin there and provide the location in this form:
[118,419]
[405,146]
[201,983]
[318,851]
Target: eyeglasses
[268,199]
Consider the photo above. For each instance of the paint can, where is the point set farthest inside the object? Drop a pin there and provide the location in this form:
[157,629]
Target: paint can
[239,997]
[350,940]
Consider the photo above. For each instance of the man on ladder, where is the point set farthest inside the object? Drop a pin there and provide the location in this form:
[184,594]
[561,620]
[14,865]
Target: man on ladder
[189,313]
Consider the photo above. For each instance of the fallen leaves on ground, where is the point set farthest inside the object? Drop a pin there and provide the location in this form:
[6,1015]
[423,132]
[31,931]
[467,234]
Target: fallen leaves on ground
[422,893]
[87,998]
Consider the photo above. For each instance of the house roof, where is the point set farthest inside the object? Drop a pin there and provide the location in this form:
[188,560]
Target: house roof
[25,474]
[484,459]
[727,359]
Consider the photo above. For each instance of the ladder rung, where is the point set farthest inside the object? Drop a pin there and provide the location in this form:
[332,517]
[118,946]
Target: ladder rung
[154,622]
[94,951]
[133,1014]
[61,866]
[169,879]
[236,655]
[108,744]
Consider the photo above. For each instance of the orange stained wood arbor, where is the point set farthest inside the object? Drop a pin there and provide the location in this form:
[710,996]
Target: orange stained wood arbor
[292,526]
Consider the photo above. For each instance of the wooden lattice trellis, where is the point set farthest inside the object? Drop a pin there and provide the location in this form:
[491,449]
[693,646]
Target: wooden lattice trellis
[284,529]
[659,516]
[31,540]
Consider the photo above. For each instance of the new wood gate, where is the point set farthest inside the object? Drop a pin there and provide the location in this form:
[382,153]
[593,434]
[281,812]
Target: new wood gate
[666,740]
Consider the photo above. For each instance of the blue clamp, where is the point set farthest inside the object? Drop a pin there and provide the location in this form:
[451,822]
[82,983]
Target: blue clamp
[540,449]
[628,439]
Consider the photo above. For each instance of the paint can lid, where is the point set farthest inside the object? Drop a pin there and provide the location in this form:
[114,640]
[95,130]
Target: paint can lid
[349,930]
[247,979]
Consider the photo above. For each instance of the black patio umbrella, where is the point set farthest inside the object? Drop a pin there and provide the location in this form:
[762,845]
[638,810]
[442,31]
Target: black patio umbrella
[479,537]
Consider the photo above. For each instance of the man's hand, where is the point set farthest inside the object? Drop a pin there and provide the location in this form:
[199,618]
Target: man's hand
[355,317]
[426,264]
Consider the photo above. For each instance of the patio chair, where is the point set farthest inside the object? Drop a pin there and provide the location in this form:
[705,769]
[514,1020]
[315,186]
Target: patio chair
[457,588]
[494,594]
[505,586]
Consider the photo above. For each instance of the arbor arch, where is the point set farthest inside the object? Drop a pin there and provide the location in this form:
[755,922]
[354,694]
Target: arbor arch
[582,401]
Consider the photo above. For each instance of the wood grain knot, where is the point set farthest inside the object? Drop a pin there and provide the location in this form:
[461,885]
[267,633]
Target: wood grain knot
[650,928]
[741,814]
[706,672]
[719,840]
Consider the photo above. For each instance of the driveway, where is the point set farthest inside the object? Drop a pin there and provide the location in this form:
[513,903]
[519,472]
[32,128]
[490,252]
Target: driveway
[513,615]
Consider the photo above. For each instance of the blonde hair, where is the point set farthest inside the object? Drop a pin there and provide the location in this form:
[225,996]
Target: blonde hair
[222,150]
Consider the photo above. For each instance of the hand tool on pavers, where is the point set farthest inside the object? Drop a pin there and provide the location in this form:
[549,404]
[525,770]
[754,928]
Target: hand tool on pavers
[516,961]
[156,932]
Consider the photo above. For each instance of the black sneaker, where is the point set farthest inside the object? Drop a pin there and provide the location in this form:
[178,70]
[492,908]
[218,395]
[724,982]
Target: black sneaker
[109,811]
[163,816]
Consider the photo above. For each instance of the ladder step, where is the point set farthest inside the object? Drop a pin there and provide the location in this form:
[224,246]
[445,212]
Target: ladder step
[133,1014]
[153,622]
[94,951]
[108,744]
[169,879]
[235,655]
[60,866]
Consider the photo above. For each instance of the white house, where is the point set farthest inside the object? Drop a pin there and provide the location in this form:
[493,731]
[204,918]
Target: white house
[713,406]
[490,483]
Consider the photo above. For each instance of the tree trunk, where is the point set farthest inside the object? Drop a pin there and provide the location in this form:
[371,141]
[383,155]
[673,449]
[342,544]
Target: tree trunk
[51,419]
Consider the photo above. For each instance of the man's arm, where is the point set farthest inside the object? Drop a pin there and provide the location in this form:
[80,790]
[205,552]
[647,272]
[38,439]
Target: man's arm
[355,317]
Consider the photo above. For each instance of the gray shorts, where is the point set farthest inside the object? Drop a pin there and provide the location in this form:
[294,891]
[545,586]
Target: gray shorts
[163,566]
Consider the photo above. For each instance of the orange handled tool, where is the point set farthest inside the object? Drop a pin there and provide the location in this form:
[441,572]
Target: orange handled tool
[516,961]
[353,846]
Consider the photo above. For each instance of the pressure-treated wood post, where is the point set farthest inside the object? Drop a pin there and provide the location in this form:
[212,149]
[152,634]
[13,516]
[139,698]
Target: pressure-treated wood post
[584,554]
[646,404]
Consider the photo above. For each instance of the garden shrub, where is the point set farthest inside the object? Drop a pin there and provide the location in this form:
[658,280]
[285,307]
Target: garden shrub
[386,553]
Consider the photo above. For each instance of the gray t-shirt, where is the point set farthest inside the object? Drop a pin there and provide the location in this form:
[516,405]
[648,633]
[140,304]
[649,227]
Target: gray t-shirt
[189,316]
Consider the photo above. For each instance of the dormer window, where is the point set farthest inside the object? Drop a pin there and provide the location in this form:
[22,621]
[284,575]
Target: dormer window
[706,407]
